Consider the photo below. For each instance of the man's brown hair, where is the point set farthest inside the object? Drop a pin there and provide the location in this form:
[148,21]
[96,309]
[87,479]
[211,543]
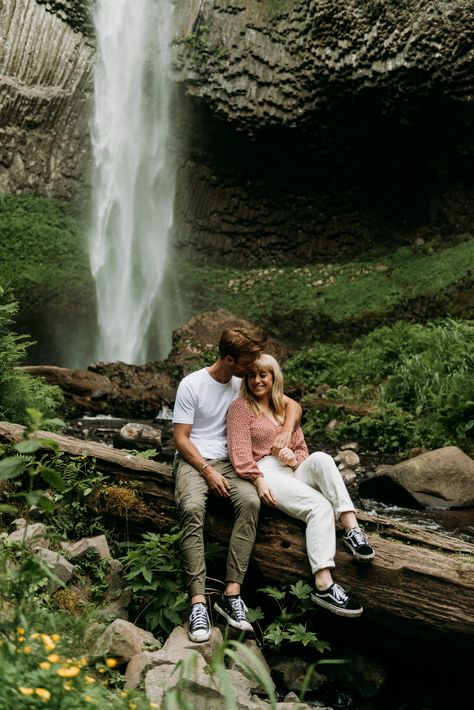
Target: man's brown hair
[240,341]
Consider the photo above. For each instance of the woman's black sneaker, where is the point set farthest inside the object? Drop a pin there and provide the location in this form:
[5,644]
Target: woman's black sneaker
[335,599]
[234,611]
[356,541]
[199,623]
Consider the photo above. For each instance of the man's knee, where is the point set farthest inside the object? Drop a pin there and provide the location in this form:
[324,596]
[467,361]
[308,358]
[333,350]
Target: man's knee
[192,511]
[249,504]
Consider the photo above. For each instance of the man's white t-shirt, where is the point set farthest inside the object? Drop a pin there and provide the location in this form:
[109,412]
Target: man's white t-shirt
[203,402]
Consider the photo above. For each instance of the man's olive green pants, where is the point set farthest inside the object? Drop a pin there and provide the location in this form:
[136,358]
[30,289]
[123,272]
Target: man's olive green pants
[191,491]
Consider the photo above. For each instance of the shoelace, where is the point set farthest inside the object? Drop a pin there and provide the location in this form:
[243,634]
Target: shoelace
[339,593]
[239,608]
[357,536]
[199,617]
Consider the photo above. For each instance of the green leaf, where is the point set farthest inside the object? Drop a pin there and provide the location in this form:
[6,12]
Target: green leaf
[28,447]
[53,478]
[301,590]
[11,467]
[273,592]
[33,497]
[46,504]
[255,614]
[5,508]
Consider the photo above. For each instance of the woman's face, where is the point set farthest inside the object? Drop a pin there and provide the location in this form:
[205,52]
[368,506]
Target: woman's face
[260,383]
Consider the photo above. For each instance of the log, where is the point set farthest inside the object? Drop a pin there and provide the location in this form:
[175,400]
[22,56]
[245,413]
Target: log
[419,586]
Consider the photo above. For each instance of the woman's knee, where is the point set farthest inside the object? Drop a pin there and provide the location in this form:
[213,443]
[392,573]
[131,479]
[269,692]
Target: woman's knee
[322,461]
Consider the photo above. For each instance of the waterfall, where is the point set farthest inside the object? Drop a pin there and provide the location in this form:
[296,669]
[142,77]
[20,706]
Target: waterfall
[133,172]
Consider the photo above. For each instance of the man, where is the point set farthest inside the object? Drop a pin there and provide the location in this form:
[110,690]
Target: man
[202,464]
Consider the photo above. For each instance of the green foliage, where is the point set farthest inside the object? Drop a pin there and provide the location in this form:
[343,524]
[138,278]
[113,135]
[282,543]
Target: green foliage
[417,377]
[290,625]
[295,301]
[18,390]
[154,572]
[43,251]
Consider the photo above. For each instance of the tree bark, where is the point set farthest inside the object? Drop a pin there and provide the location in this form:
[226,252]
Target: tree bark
[420,584]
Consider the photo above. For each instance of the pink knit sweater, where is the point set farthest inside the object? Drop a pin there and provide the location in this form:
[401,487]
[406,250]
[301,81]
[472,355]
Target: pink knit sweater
[250,437]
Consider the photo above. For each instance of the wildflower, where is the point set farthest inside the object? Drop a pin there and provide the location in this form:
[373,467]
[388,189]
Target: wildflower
[54,658]
[101,670]
[45,666]
[48,642]
[21,639]
[89,680]
[88,698]
[82,662]
[67,686]
[110,662]
[26,649]
[70,672]
[154,705]
[35,636]
[20,631]
[124,693]
[132,706]
[26,691]
[43,694]
[56,637]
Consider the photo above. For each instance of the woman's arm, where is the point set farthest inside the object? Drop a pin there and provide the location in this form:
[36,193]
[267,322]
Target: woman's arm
[239,440]
[293,413]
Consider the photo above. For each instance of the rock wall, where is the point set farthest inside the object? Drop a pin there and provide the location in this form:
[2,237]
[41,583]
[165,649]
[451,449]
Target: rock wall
[45,70]
[319,128]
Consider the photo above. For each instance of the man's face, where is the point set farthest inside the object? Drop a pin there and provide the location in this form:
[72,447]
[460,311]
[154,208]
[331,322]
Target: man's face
[242,364]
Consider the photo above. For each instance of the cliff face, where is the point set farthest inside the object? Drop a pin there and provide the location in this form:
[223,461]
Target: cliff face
[45,68]
[321,127]
[305,128]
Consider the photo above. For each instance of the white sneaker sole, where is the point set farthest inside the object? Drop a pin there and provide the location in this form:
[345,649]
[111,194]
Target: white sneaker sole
[340,611]
[199,639]
[362,558]
[241,625]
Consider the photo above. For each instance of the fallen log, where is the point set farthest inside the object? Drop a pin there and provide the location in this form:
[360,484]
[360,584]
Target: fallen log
[420,584]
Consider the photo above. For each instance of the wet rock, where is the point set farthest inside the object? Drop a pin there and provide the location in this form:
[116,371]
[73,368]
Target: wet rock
[443,478]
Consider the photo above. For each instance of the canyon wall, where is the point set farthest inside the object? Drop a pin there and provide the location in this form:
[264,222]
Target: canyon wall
[306,130]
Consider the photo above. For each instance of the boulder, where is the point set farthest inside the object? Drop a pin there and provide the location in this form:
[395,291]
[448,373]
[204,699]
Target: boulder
[134,435]
[58,564]
[198,338]
[122,640]
[34,534]
[98,544]
[443,478]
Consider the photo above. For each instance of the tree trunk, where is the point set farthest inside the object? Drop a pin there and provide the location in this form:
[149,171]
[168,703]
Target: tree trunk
[420,584]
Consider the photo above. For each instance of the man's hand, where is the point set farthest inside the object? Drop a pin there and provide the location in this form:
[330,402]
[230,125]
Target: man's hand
[218,484]
[264,492]
[282,441]
[287,457]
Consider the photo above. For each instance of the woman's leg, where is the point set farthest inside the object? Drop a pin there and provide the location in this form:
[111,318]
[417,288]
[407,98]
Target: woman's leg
[299,500]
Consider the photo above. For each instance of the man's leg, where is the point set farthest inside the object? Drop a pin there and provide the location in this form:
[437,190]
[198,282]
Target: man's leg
[246,503]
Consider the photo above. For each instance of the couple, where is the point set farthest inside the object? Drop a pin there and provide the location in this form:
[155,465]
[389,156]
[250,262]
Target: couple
[236,409]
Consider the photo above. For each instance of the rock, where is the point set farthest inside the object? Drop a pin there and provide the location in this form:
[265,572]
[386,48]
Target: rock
[348,458]
[256,661]
[291,697]
[443,478]
[117,597]
[63,569]
[98,544]
[349,476]
[351,445]
[290,673]
[138,436]
[198,339]
[138,667]
[34,534]
[122,640]
[364,675]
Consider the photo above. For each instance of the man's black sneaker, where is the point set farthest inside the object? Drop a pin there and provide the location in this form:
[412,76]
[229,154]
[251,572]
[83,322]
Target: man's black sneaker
[199,623]
[356,541]
[234,610]
[335,599]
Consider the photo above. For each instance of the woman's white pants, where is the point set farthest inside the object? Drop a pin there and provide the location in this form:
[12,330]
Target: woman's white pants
[314,493]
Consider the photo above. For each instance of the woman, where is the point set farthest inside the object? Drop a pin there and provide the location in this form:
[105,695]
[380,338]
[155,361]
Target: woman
[307,487]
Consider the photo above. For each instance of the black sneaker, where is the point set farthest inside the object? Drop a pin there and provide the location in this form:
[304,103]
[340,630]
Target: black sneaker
[335,599]
[199,623]
[356,541]
[234,610]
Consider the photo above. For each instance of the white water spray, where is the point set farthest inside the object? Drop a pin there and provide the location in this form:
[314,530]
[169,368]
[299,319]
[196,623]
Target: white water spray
[134,178]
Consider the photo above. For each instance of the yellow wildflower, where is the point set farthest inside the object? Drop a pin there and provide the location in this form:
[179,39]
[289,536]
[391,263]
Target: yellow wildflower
[54,658]
[154,705]
[82,662]
[48,642]
[45,666]
[35,636]
[110,662]
[67,686]
[26,691]
[124,693]
[56,637]
[26,649]
[70,672]
[20,631]
[89,680]
[101,670]
[21,639]
[132,706]
[88,698]
[43,693]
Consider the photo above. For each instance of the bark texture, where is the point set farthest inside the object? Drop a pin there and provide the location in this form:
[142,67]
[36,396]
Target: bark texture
[420,584]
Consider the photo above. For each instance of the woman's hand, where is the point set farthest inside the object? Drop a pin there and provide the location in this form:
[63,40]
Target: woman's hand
[264,492]
[287,458]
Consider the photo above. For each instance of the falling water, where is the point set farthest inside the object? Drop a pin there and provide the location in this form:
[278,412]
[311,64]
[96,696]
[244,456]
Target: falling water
[133,185]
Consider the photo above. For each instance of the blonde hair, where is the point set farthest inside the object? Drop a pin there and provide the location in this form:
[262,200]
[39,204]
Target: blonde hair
[268,364]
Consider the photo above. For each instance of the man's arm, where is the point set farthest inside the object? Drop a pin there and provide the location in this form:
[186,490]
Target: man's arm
[293,413]
[218,484]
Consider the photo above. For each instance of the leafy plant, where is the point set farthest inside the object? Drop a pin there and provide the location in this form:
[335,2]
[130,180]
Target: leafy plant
[290,624]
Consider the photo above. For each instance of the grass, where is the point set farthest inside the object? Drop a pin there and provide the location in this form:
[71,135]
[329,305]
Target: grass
[44,258]
[293,300]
